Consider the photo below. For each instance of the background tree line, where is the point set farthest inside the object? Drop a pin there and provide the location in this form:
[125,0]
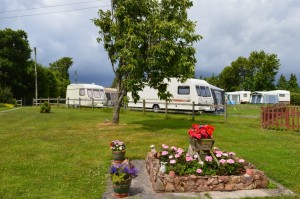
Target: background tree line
[255,73]
[17,70]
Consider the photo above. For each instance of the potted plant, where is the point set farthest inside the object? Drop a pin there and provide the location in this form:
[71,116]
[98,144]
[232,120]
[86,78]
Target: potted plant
[121,176]
[118,150]
[201,137]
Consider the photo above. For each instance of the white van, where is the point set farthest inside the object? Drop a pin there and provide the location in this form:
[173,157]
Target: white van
[204,95]
[238,97]
[89,95]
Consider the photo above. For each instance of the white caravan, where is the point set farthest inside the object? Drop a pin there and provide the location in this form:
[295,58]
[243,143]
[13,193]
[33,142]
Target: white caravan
[270,97]
[204,95]
[89,95]
[238,97]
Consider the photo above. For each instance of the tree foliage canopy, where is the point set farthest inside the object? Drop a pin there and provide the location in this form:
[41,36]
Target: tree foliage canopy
[146,42]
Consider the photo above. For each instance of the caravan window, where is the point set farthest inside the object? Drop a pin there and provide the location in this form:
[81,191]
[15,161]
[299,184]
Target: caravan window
[98,93]
[203,91]
[81,92]
[245,95]
[90,93]
[183,90]
[281,95]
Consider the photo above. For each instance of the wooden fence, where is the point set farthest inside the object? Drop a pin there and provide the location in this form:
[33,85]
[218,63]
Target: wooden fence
[280,117]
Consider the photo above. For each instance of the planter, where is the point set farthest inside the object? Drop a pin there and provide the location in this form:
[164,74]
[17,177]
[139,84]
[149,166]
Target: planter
[202,144]
[118,156]
[121,190]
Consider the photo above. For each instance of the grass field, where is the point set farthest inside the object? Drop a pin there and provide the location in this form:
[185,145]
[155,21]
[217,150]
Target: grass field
[65,154]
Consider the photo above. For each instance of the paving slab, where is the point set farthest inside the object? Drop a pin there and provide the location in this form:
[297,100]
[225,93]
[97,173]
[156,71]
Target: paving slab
[141,188]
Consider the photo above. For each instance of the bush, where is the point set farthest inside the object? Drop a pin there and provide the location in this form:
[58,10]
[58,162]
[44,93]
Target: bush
[45,107]
[295,99]
[6,95]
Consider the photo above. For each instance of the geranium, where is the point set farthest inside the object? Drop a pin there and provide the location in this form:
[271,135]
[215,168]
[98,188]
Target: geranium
[177,160]
[201,131]
[117,145]
[122,172]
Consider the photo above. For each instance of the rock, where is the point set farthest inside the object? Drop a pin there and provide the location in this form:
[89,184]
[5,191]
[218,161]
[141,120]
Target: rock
[158,186]
[238,186]
[212,181]
[170,187]
[224,179]
[247,179]
[235,179]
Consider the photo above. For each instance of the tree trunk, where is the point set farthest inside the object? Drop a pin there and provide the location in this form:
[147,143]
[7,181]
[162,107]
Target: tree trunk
[117,109]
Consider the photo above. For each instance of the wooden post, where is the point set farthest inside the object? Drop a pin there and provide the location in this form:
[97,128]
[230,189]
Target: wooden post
[144,107]
[225,112]
[79,102]
[193,113]
[92,103]
[68,102]
[166,110]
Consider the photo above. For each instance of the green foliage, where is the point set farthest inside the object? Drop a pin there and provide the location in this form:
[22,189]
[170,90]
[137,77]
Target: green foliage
[293,84]
[45,107]
[282,84]
[257,72]
[6,95]
[295,98]
[60,70]
[14,53]
[146,42]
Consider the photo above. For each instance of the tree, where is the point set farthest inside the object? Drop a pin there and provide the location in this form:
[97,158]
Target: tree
[14,54]
[147,41]
[60,70]
[292,83]
[262,68]
[282,83]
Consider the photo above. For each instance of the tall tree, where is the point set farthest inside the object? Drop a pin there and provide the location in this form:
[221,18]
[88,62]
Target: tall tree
[60,70]
[147,41]
[292,83]
[263,69]
[282,83]
[14,54]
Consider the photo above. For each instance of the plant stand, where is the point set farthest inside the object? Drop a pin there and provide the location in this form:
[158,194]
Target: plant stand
[202,147]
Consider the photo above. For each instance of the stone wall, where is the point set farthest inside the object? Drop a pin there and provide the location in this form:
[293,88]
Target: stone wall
[162,182]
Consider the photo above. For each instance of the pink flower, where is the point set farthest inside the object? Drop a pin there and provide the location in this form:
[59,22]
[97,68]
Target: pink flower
[179,151]
[208,159]
[165,146]
[188,158]
[170,157]
[195,156]
[177,155]
[231,153]
[225,154]
[230,161]
[222,161]
[164,152]
[219,155]
[241,160]
[174,148]
[172,161]
[199,171]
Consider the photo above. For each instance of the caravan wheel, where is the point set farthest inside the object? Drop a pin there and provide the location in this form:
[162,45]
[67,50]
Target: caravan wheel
[155,108]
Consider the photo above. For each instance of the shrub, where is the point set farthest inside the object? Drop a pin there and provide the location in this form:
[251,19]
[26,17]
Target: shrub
[295,99]
[6,95]
[45,107]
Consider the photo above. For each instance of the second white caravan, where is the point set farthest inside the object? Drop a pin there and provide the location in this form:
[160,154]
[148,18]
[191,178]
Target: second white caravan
[204,96]
[89,95]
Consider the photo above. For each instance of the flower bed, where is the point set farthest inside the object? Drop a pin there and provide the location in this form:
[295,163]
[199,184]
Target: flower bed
[163,182]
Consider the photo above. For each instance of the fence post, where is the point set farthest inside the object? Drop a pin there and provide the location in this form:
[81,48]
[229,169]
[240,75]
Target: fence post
[92,103]
[68,102]
[79,102]
[193,113]
[225,112]
[166,110]
[144,107]
[57,102]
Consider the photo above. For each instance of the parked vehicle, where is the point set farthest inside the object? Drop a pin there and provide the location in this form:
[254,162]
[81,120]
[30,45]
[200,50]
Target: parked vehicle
[89,95]
[111,96]
[204,96]
[238,97]
[270,97]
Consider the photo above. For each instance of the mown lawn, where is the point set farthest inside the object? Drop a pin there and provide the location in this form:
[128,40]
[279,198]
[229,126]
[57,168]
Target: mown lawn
[65,154]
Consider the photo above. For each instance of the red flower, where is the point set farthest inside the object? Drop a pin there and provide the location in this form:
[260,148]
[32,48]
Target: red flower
[201,131]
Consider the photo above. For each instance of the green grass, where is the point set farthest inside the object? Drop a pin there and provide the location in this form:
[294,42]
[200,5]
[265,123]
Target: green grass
[65,154]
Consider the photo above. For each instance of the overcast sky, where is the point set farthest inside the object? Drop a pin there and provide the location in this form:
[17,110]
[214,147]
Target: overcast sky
[230,28]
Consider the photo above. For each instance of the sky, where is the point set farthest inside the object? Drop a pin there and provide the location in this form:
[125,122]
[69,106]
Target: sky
[230,29]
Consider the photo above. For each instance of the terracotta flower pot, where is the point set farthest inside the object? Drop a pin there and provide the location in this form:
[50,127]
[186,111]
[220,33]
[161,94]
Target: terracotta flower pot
[118,156]
[121,190]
